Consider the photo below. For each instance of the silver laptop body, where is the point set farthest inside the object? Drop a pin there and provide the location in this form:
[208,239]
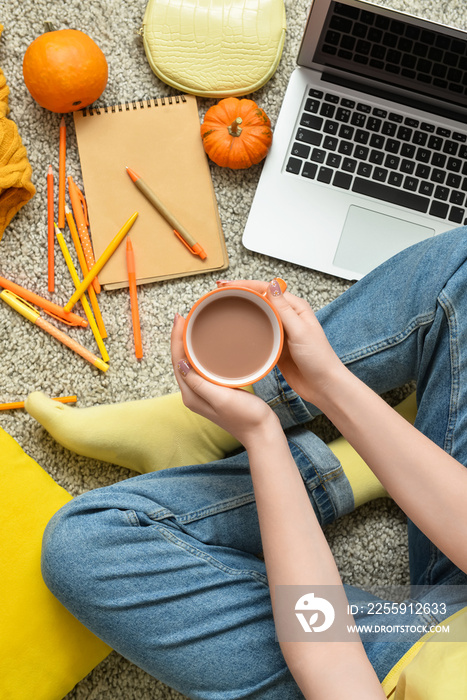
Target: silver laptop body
[369,152]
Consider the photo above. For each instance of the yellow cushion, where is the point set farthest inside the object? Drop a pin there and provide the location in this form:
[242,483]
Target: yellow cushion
[435,667]
[218,48]
[44,650]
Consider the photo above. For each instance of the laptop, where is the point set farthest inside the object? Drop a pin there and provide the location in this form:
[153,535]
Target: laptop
[369,152]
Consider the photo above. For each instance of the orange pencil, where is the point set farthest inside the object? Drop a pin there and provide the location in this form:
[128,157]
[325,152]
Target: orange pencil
[50,230]
[84,270]
[130,262]
[78,204]
[84,301]
[20,404]
[49,307]
[61,175]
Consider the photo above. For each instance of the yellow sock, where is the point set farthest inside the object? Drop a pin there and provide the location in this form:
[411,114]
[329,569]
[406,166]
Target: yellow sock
[365,485]
[142,435]
[159,433]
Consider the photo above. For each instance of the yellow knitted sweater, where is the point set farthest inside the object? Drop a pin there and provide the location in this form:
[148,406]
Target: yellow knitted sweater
[16,187]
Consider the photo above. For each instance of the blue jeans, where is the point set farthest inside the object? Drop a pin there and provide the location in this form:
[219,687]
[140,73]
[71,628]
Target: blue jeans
[164,566]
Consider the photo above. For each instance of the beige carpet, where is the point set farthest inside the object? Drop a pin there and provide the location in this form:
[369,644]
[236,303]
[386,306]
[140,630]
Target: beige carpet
[370,545]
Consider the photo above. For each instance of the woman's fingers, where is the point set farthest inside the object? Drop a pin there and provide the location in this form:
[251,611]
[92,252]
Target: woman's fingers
[190,382]
[212,395]
[294,312]
[176,340]
[292,309]
[179,362]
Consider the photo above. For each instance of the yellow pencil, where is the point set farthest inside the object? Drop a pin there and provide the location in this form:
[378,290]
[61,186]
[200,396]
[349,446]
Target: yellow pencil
[99,264]
[20,404]
[84,269]
[84,301]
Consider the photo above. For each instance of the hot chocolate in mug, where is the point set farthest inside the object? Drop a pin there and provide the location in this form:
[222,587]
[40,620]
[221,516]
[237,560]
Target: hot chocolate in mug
[233,335]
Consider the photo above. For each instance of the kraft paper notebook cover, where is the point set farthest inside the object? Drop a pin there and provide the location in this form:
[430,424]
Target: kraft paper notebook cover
[160,140]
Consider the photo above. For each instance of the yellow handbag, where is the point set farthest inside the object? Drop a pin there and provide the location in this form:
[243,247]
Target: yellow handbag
[214,48]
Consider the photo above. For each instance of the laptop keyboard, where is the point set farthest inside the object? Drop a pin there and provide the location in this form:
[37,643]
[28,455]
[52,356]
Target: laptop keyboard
[381,154]
[374,42]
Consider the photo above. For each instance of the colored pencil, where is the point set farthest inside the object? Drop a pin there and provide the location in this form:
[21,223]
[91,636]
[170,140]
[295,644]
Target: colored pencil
[85,270]
[50,231]
[108,252]
[20,404]
[130,261]
[84,301]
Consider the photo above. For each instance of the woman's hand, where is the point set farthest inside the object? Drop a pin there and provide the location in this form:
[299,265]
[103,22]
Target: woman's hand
[308,362]
[239,412]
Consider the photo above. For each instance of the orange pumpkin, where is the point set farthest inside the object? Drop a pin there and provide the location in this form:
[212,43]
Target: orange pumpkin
[64,70]
[236,133]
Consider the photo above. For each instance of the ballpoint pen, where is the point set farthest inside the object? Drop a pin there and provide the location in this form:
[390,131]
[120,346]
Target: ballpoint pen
[78,204]
[180,231]
[61,174]
[84,301]
[97,267]
[26,310]
[84,269]
[130,261]
[49,307]
[20,404]
[50,231]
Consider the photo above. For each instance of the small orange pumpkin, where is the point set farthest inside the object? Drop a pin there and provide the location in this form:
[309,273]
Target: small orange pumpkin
[236,133]
[64,70]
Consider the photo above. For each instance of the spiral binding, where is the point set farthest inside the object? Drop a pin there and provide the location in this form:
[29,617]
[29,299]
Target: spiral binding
[143,104]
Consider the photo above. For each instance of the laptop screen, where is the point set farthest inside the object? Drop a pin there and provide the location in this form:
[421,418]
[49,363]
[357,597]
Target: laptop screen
[386,46]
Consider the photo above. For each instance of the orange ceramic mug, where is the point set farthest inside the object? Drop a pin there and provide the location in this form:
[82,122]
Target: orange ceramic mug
[233,335]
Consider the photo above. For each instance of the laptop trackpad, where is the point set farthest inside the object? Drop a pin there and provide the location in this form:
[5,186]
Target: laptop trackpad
[369,238]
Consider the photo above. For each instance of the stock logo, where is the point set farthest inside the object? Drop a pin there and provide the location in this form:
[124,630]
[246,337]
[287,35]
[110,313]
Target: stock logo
[309,603]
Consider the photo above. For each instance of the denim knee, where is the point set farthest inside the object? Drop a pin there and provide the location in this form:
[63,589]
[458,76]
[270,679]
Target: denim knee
[63,548]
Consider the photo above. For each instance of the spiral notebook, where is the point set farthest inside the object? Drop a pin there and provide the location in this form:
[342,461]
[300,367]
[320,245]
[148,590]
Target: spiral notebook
[160,140]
